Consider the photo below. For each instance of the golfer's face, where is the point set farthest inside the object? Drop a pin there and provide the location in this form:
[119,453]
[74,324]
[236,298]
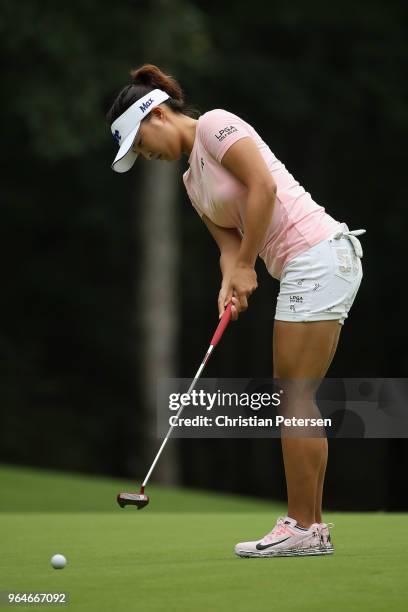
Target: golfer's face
[156,140]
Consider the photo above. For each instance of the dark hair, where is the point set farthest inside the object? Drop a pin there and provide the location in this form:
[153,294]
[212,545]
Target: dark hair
[145,79]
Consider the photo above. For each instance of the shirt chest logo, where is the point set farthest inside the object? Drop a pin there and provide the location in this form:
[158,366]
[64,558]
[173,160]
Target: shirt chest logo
[202,163]
[229,129]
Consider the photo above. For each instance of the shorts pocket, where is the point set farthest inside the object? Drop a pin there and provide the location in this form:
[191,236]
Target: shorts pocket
[344,259]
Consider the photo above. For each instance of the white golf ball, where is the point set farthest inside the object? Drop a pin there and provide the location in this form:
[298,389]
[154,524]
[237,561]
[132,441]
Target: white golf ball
[58,561]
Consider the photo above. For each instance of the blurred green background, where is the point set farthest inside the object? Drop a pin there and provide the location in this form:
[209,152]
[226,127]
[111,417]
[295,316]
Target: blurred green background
[106,285]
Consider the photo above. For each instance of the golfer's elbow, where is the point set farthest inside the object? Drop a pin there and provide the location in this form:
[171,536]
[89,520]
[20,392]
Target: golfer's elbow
[264,186]
[270,189]
[263,193]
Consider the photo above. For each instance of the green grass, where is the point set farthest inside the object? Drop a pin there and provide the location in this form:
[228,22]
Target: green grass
[27,489]
[163,559]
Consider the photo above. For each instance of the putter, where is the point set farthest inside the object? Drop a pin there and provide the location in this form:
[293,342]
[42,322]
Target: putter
[140,500]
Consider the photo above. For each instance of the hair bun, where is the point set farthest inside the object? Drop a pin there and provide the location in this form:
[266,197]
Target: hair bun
[143,76]
[151,76]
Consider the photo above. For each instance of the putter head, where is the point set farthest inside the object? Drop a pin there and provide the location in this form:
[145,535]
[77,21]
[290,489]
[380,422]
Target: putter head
[140,500]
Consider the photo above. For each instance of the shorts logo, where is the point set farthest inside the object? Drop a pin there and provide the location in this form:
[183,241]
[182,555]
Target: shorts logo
[343,261]
[117,136]
[146,105]
[202,163]
[229,129]
[296,298]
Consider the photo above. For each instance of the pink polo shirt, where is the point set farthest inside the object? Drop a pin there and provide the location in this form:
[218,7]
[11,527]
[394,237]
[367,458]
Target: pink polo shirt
[297,222]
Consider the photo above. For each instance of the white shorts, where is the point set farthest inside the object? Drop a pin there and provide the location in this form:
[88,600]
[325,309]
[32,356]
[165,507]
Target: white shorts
[322,283]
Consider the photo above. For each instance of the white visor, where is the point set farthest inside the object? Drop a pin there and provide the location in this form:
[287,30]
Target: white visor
[126,126]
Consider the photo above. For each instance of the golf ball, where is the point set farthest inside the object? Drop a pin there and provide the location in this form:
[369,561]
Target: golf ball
[58,561]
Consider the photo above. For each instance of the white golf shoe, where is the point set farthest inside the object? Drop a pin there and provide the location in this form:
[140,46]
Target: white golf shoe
[325,540]
[286,539]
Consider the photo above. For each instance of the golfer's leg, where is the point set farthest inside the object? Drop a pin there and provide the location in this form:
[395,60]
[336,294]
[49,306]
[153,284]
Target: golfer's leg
[322,470]
[304,351]
[320,482]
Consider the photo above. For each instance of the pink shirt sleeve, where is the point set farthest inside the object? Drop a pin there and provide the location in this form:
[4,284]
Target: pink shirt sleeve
[219,130]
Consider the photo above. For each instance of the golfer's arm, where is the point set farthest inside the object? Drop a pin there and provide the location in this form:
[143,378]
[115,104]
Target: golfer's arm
[228,241]
[258,215]
[246,163]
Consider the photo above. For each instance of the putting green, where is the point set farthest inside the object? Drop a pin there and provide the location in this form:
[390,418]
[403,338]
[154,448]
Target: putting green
[183,560]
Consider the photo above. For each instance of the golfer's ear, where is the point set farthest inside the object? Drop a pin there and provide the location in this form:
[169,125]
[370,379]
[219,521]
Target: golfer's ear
[246,163]
[157,112]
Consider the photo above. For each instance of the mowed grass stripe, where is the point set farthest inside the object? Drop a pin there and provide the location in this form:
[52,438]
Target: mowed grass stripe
[29,489]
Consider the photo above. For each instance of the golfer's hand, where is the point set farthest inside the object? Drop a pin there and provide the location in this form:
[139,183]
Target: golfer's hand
[240,284]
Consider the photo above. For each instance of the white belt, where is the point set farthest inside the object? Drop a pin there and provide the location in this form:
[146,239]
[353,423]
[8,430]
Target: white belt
[351,235]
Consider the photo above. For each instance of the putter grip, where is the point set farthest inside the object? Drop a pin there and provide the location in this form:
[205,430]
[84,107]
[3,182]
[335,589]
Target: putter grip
[225,319]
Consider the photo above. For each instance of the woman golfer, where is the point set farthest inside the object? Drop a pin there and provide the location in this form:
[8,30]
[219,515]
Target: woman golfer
[253,206]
